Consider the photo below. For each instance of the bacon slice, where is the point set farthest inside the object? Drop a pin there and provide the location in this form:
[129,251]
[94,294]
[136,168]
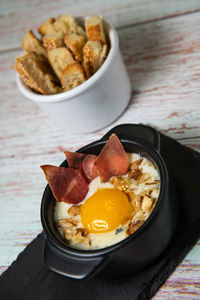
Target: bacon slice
[84,162]
[67,184]
[112,161]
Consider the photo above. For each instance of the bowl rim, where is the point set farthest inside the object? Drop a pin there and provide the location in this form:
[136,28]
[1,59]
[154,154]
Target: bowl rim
[89,83]
[164,179]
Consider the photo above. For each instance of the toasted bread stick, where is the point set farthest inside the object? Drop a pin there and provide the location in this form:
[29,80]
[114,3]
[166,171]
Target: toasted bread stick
[34,74]
[72,76]
[94,54]
[94,29]
[32,44]
[75,44]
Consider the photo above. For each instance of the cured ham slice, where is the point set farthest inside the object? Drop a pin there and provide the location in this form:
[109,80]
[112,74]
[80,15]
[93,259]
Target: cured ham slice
[84,162]
[74,159]
[89,169]
[112,161]
[67,184]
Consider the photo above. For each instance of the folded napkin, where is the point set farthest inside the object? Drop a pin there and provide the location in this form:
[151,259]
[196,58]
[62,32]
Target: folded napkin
[27,277]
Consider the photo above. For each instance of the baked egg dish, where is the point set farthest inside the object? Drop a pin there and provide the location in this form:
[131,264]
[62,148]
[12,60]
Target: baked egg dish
[111,211]
[101,200]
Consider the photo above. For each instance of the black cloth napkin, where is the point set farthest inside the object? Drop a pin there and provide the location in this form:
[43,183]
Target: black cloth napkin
[27,277]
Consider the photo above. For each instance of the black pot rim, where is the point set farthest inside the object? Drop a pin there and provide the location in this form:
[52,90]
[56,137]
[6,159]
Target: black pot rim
[164,182]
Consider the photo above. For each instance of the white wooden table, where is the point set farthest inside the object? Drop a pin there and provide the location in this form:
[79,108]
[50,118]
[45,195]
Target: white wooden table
[160,43]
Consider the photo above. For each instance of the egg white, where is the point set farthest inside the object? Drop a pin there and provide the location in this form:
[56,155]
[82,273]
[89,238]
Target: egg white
[102,240]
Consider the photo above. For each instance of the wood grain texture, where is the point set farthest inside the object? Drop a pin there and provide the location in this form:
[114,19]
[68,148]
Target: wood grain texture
[184,282]
[164,73]
[162,58]
[18,17]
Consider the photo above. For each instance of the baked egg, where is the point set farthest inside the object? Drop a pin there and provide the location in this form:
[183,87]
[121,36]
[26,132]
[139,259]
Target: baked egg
[112,210]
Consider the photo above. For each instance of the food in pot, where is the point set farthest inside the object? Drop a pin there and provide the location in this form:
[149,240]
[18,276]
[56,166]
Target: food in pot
[102,199]
[64,57]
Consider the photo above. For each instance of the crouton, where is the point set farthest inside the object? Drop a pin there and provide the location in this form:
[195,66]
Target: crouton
[32,44]
[72,76]
[65,56]
[65,24]
[23,74]
[75,44]
[53,40]
[94,29]
[94,54]
[29,82]
[46,27]
[55,31]
[81,31]
[34,74]
[59,59]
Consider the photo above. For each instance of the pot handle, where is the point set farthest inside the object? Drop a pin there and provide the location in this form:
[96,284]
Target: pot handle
[138,131]
[71,266]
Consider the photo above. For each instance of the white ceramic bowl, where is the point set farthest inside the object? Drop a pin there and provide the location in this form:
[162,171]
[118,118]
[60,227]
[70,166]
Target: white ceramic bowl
[95,103]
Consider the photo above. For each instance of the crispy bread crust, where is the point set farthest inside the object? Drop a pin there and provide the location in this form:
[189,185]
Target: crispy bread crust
[59,59]
[72,76]
[46,27]
[94,29]
[32,44]
[52,41]
[24,76]
[33,74]
[94,54]
[75,44]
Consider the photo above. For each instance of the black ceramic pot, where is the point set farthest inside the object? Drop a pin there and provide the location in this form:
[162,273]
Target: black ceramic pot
[139,249]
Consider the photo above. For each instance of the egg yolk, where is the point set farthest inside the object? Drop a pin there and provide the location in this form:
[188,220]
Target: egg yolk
[105,210]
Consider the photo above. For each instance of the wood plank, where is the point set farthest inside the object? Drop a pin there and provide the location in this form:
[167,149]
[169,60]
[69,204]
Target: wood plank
[163,63]
[164,73]
[183,283]
[184,280]
[160,58]
[191,143]
[19,17]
